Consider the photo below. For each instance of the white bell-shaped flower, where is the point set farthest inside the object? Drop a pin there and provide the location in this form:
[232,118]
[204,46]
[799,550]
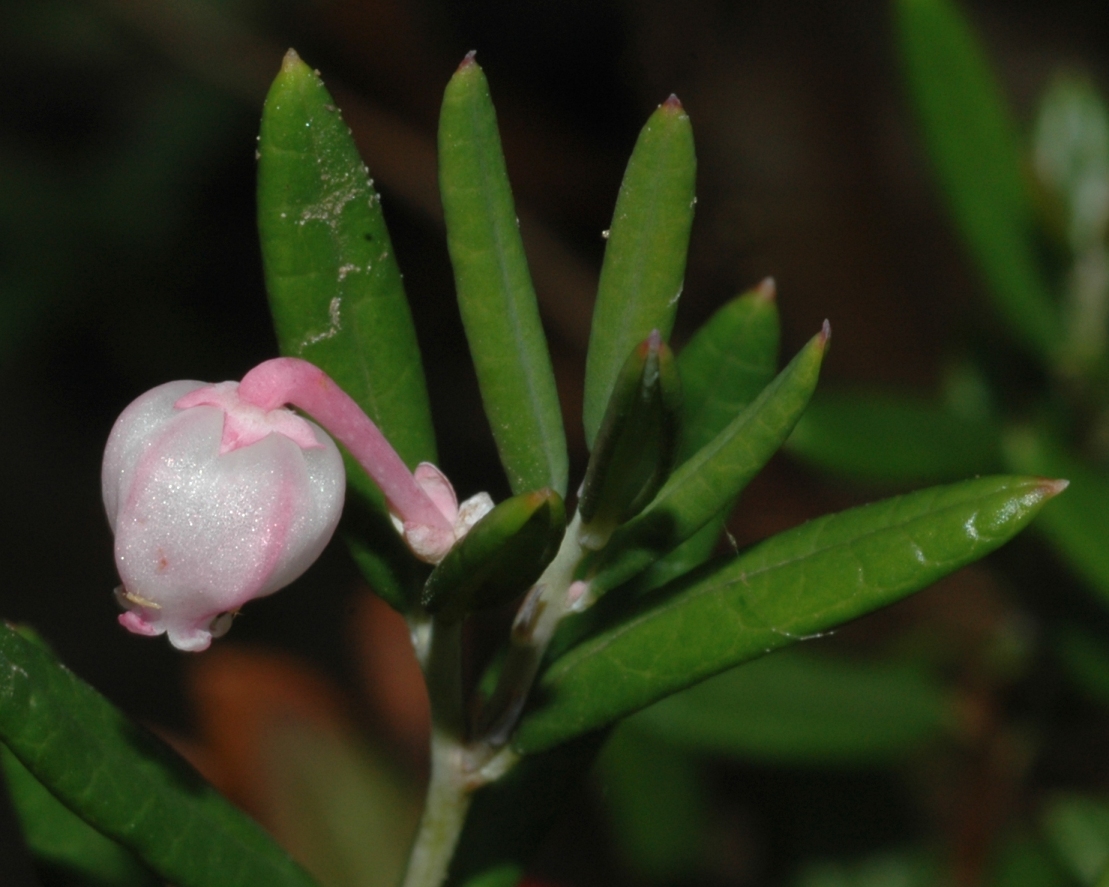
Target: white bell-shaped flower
[199,532]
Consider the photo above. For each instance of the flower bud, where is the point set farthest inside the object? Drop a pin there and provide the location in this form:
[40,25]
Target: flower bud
[213,505]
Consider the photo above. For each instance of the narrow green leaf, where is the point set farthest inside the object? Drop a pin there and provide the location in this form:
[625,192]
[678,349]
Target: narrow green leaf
[334,285]
[724,367]
[637,442]
[882,437]
[495,292]
[977,158]
[800,708]
[62,839]
[126,783]
[708,482]
[791,586]
[726,364]
[336,294]
[644,267]
[1074,525]
[500,558]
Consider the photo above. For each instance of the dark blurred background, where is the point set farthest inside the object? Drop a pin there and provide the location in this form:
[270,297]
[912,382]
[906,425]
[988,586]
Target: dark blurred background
[129,256]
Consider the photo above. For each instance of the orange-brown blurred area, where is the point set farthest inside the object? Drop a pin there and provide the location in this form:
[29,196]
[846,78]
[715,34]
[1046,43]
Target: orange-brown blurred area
[129,257]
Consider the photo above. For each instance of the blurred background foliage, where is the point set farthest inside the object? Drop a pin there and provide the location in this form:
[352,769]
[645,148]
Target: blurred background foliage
[957,737]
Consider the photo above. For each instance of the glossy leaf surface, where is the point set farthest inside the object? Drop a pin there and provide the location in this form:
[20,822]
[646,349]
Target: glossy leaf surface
[61,839]
[495,291]
[704,485]
[644,266]
[887,438]
[791,586]
[976,154]
[125,782]
[802,708]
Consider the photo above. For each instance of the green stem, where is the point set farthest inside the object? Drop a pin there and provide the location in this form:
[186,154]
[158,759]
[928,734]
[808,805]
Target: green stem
[531,634]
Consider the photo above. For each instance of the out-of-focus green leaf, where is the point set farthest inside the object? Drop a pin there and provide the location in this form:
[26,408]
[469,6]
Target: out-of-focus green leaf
[887,438]
[1071,150]
[62,839]
[895,869]
[791,586]
[657,803]
[1024,861]
[644,267]
[337,807]
[974,149]
[1076,524]
[1077,830]
[723,368]
[799,708]
[704,485]
[336,293]
[124,782]
[495,292]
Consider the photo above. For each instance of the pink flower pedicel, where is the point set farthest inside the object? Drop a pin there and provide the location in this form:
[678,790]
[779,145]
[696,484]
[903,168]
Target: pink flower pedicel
[217,494]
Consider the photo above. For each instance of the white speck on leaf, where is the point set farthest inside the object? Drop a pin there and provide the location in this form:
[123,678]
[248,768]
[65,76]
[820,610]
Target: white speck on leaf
[333,327]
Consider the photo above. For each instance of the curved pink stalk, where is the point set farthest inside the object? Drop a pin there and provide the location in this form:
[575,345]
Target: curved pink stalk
[288,380]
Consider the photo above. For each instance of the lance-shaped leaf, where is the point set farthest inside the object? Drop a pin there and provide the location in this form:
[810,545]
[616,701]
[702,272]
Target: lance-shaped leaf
[500,558]
[495,292]
[334,285]
[884,437]
[723,368]
[644,265]
[62,840]
[706,484]
[1076,524]
[726,364]
[977,157]
[336,293]
[789,587]
[125,782]
[635,448]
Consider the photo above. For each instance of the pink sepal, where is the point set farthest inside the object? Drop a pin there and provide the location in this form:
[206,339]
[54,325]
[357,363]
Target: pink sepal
[245,423]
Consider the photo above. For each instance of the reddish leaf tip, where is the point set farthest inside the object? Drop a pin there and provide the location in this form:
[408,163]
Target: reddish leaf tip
[767,290]
[290,61]
[673,103]
[469,61]
[1053,486]
[825,332]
